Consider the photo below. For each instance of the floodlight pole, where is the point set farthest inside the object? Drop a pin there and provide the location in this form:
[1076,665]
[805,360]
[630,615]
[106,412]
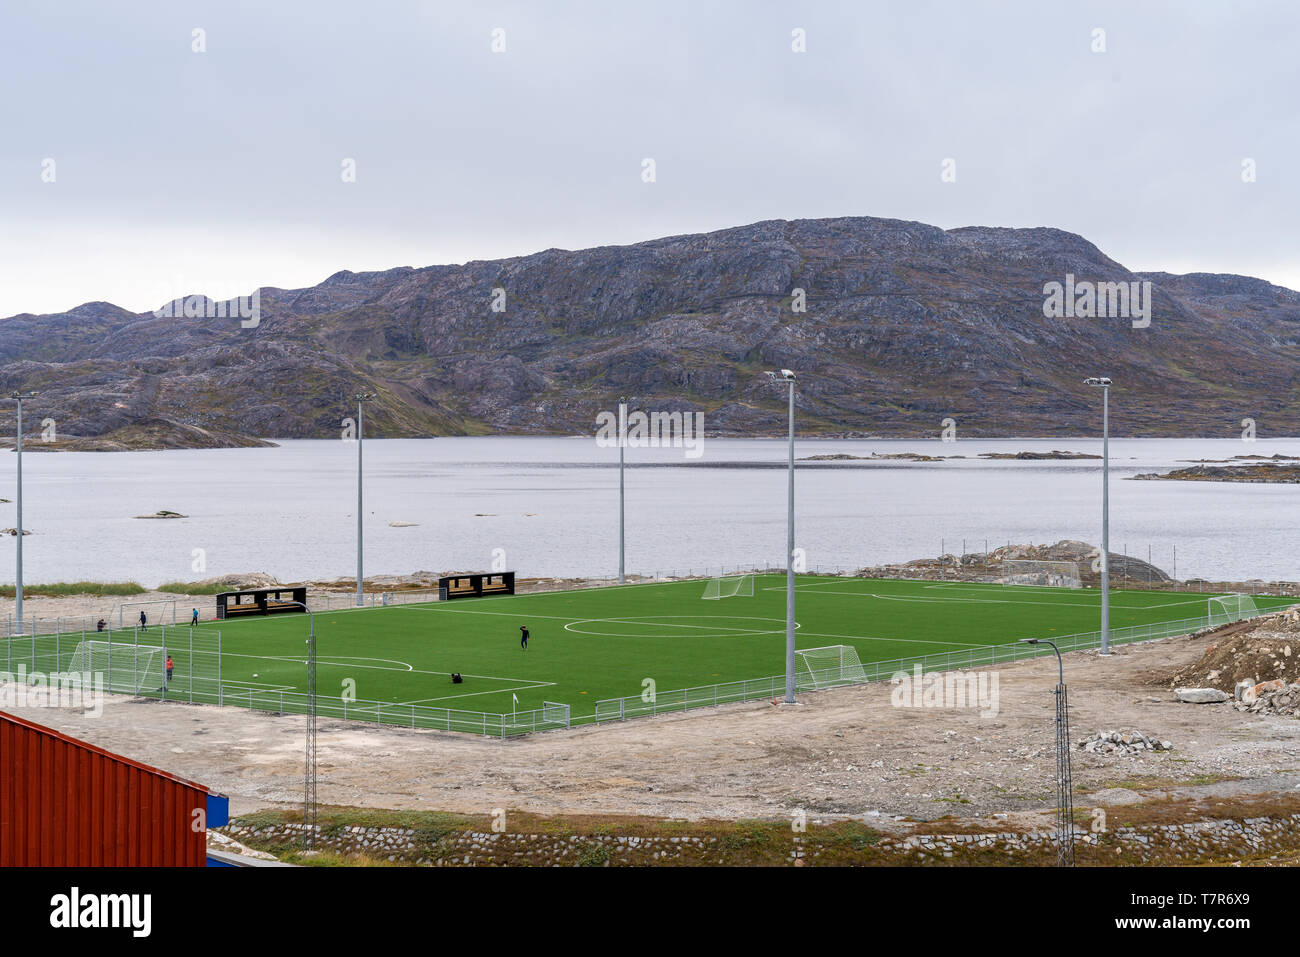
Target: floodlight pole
[622,442]
[1105,520]
[789,563]
[1104,384]
[1064,778]
[18,564]
[309,774]
[360,398]
[786,376]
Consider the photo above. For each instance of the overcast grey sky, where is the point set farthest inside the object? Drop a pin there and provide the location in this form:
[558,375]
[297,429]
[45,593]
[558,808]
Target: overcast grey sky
[178,171]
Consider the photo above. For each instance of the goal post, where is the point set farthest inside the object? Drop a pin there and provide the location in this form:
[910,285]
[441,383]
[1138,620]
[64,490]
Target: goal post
[736,586]
[1225,609]
[127,669]
[161,610]
[1022,571]
[829,666]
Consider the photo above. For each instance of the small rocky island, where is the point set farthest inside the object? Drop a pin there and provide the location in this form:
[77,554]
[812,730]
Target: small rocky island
[163,513]
[919,457]
[874,457]
[1270,473]
[1038,456]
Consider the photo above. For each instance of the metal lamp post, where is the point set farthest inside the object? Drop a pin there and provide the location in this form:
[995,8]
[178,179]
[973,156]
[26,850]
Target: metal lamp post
[1064,781]
[788,377]
[18,565]
[360,397]
[309,774]
[622,442]
[1103,383]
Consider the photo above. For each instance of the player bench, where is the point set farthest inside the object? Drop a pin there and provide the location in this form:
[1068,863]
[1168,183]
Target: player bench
[476,585]
[260,601]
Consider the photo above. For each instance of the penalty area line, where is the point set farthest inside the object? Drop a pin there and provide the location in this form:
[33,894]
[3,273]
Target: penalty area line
[471,694]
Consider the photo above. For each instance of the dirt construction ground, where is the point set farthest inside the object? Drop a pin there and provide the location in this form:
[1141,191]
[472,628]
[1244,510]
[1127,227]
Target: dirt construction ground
[847,752]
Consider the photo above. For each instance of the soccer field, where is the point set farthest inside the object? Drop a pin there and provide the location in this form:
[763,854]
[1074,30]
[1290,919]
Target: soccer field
[604,643]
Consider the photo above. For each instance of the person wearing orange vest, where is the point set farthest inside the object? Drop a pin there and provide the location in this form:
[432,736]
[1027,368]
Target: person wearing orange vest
[170,665]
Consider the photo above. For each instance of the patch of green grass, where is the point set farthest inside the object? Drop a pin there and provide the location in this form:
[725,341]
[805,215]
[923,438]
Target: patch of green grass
[851,834]
[63,589]
[747,834]
[263,818]
[186,588]
[593,855]
[955,799]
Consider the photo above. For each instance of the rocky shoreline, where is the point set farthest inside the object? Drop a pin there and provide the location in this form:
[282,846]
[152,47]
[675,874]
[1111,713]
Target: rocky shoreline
[1263,473]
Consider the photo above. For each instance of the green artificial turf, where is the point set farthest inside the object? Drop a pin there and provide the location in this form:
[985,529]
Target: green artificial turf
[605,643]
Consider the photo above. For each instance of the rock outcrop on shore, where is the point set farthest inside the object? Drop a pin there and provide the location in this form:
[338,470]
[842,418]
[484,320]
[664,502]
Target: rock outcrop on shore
[906,326]
[978,566]
[1264,473]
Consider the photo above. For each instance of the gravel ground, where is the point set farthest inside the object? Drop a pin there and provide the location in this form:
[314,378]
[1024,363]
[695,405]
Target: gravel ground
[848,752]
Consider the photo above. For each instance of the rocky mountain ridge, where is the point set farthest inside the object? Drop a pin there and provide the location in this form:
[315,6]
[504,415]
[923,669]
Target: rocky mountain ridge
[905,325]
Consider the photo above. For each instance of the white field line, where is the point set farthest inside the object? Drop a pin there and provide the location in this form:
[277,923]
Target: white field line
[471,694]
[629,621]
[338,660]
[995,601]
[263,685]
[909,641]
[740,632]
[408,669]
[1047,593]
[501,614]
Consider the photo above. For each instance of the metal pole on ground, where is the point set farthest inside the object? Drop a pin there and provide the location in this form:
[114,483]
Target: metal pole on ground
[622,444]
[788,377]
[1104,384]
[309,773]
[361,397]
[18,564]
[1064,784]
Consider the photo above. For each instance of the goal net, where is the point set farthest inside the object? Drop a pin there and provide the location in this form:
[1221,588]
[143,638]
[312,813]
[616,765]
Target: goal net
[733,587]
[128,669]
[160,611]
[829,666]
[1230,608]
[1030,572]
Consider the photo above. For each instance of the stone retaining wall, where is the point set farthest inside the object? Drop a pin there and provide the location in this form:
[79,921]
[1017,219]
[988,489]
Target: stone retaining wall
[1164,843]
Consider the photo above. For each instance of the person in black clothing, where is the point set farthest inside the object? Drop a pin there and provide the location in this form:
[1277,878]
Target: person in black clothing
[144,622]
[99,625]
[456,678]
[523,637]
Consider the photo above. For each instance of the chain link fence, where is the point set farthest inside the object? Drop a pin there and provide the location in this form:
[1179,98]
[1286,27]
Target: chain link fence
[197,678]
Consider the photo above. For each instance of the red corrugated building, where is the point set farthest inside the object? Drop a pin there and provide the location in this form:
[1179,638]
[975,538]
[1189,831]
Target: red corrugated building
[66,803]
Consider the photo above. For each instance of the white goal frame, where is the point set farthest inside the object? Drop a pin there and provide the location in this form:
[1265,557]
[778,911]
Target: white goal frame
[1225,609]
[120,664]
[1029,571]
[829,666]
[121,610]
[733,586]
